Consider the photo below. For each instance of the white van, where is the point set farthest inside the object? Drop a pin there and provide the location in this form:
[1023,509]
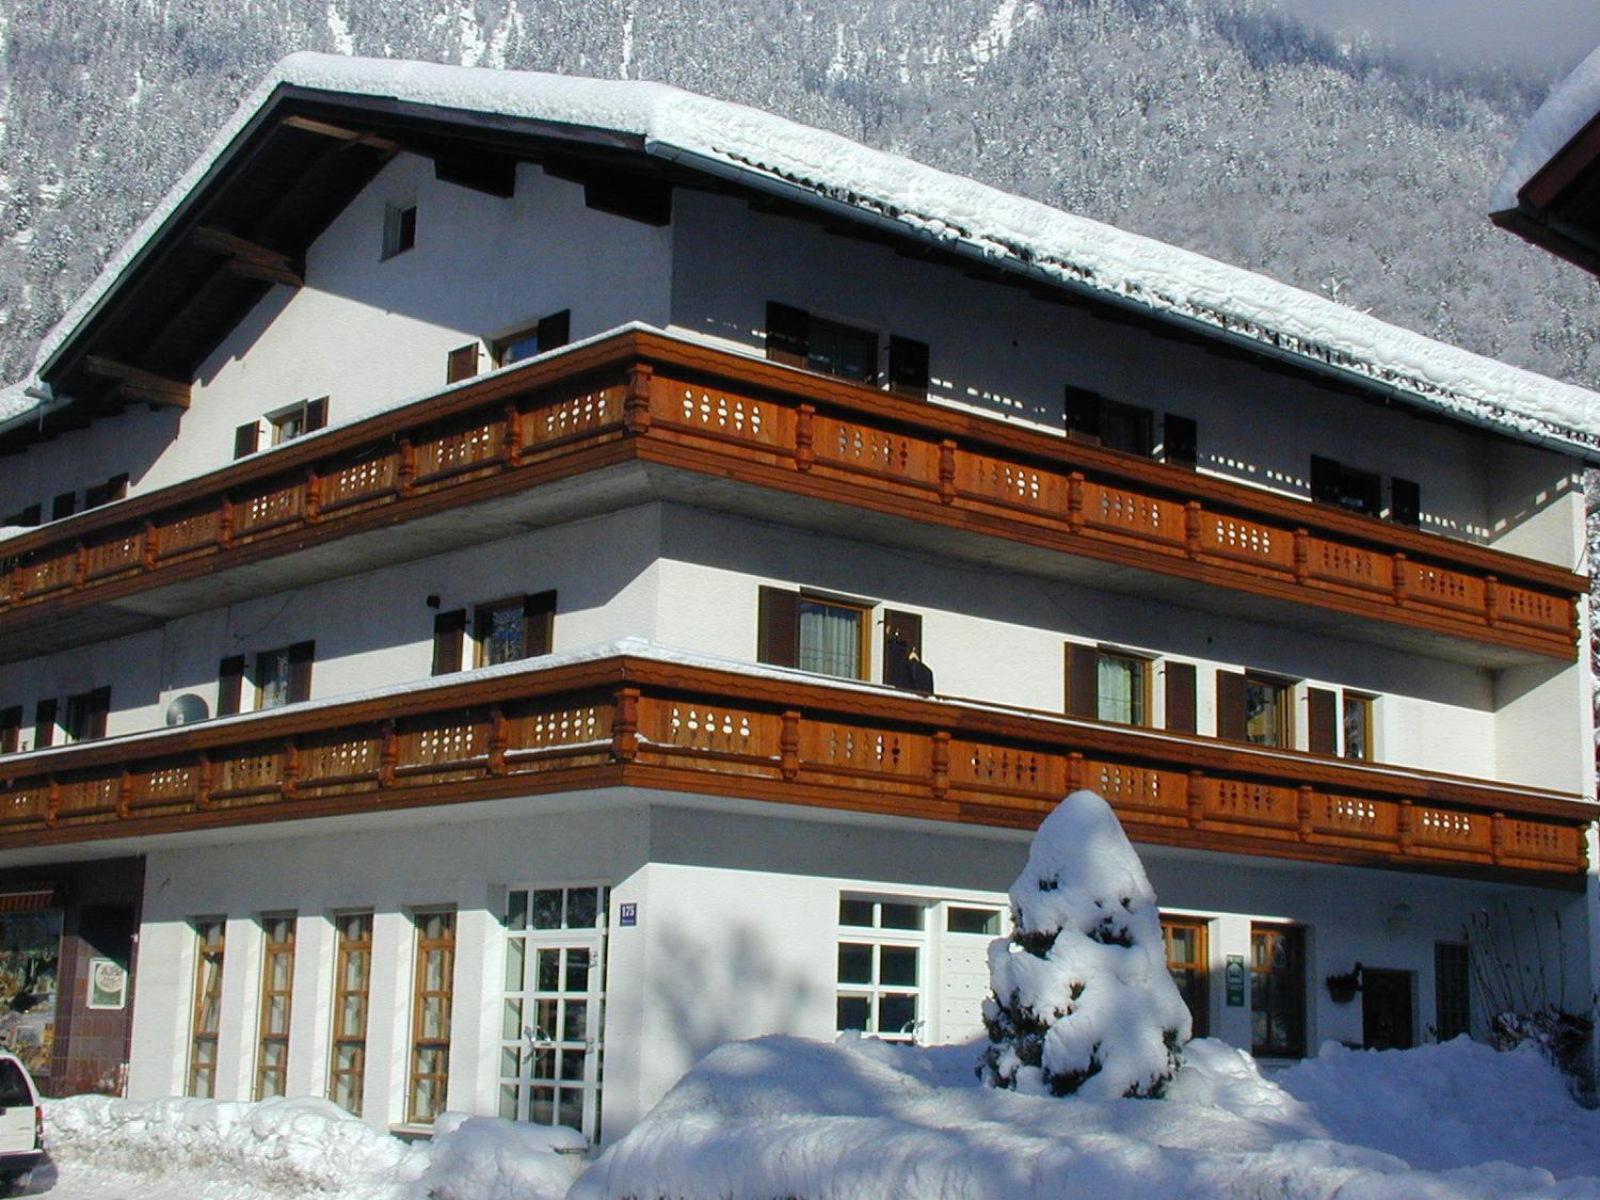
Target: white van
[21,1126]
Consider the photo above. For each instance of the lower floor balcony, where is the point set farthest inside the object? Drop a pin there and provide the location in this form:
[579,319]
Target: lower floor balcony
[630,714]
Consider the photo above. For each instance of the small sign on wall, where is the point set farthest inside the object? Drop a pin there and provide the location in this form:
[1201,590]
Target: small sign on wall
[628,915]
[1234,976]
[108,984]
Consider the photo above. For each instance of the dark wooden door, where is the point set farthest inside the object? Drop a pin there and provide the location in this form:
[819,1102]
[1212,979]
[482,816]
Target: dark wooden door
[1386,1022]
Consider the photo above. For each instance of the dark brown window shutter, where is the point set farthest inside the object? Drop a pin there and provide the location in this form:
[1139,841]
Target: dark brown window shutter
[1179,440]
[301,656]
[230,684]
[10,728]
[247,439]
[449,631]
[316,413]
[462,363]
[1325,475]
[99,710]
[538,624]
[1083,681]
[66,504]
[908,367]
[1322,717]
[902,635]
[778,636]
[1230,705]
[554,331]
[44,724]
[1405,502]
[1180,697]
[788,334]
[1081,412]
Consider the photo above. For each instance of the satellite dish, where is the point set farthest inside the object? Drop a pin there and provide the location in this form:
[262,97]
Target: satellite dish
[187,709]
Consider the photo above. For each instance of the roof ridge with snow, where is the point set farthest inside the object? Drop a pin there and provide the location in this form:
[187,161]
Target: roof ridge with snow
[1010,231]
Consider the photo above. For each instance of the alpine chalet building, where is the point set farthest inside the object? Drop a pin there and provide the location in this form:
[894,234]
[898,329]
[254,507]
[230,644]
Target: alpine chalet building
[512,581]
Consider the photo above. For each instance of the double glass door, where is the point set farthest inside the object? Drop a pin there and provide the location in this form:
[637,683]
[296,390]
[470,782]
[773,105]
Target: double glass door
[550,1047]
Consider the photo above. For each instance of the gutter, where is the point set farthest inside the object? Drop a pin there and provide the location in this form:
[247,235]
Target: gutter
[1388,394]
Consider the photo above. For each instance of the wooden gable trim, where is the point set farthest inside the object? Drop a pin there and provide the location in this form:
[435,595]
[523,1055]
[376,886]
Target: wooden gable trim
[139,384]
[251,260]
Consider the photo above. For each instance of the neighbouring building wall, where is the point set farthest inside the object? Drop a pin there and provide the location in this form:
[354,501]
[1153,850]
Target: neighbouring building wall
[369,332]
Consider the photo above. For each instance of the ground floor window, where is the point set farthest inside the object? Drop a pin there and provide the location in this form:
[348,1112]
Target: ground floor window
[352,985]
[430,1016]
[1277,991]
[206,1020]
[552,1022]
[1451,990]
[1188,963]
[277,997]
[882,944]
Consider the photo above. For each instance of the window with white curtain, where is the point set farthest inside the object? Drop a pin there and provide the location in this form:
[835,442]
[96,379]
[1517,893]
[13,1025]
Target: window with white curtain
[832,638]
[1121,687]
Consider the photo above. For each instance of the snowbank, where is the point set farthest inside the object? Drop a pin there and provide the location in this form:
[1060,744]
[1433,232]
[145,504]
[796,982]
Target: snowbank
[832,172]
[484,1158]
[857,1119]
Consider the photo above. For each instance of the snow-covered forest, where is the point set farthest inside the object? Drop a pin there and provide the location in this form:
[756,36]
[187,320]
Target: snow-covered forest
[1223,125]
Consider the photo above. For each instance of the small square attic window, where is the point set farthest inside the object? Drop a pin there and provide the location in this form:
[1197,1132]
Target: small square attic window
[399,228]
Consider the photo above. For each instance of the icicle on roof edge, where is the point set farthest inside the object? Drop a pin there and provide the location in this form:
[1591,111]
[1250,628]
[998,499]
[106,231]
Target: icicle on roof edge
[1010,230]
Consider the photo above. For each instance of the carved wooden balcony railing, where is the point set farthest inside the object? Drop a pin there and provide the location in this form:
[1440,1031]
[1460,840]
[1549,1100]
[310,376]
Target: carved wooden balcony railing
[629,719]
[647,397]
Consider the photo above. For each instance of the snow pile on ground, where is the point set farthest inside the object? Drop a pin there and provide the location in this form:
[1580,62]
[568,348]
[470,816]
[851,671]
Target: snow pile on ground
[485,1158]
[785,1117]
[282,1147]
[1082,998]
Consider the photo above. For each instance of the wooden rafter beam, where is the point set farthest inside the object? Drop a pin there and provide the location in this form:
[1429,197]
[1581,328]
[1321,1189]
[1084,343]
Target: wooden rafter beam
[249,259]
[341,133]
[137,384]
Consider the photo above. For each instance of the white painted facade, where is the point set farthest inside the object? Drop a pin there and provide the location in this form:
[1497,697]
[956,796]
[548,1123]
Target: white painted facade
[737,905]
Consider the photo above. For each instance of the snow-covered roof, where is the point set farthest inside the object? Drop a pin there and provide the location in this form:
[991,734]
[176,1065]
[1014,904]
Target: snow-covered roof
[828,171]
[1571,106]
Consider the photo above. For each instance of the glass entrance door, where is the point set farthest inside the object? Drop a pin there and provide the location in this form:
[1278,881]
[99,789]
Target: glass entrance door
[550,1048]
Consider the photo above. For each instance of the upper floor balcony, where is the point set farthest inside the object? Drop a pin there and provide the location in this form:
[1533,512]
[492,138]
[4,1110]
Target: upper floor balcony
[638,414]
[626,714]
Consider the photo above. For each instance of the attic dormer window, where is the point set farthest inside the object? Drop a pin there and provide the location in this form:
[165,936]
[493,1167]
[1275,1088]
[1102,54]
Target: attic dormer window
[399,228]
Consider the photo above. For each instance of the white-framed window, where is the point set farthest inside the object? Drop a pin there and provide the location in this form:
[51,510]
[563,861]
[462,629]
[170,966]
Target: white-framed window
[883,947]
[551,1036]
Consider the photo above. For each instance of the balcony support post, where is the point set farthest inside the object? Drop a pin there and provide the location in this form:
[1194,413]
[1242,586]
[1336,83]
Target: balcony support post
[1497,837]
[511,447]
[1075,502]
[1193,524]
[1405,826]
[389,756]
[1402,579]
[625,725]
[1196,799]
[804,422]
[789,745]
[947,471]
[499,740]
[1302,555]
[636,406]
[1491,599]
[203,777]
[941,764]
[1303,813]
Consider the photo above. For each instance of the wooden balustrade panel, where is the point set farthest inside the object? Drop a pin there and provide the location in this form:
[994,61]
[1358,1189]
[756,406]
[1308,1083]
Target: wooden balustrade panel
[247,772]
[180,533]
[1445,588]
[1534,609]
[846,748]
[1333,562]
[174,785]
[713,410]
[1446,829]
[28,805]
[267,509]
[1144,518]
[125,552]
[712,729]
[1015,485]
[1144,791]
[547,726]
[876,452]
[1246,541]
[449,739]
[40,576]
[1356,817]
[982,766]
[441,455]
[342,761]
[89,796]
[1257,806]
[1538,841]
[586,412]
[361,482]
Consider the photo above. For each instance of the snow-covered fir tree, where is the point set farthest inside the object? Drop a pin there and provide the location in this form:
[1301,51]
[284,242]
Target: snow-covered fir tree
[1082,1001]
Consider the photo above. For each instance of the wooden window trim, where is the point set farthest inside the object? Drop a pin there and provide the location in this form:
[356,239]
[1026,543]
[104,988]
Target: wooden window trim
[1201,964]
[549,332]
[445,945]
[230,685]
[537,612]
[10,729]
[863,611]
[199,1032]
[461,363]
[344,1037]
[1295,1046]
[312,414]
[92,707]
[266,1037]
[1083,682]
[1182,703]
[44,723]
[778,627]
[449,641]
[1323,724]
[1367,702]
